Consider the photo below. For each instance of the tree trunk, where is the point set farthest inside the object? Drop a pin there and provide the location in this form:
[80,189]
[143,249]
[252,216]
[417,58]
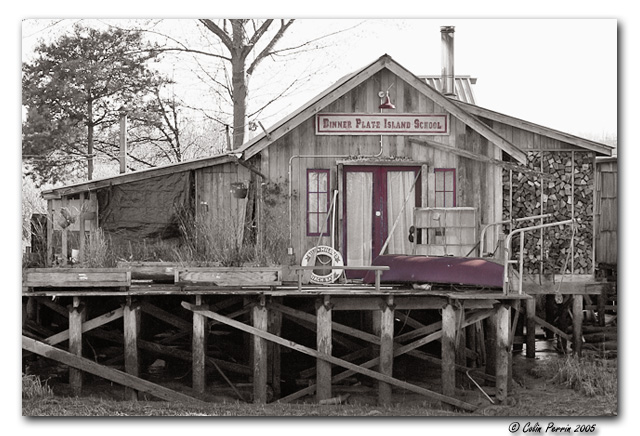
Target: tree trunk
[239,84]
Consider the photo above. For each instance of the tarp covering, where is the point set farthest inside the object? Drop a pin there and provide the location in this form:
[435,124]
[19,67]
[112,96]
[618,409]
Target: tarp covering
[441,270]
[148,208]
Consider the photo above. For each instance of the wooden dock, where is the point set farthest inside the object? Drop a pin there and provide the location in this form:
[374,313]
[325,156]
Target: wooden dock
[211,296]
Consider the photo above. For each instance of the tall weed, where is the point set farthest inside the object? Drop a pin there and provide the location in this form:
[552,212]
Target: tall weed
[588,375]
[32,387]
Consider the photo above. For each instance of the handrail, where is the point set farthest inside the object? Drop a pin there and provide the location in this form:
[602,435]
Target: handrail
[517,220]
[520,261]
[377,269]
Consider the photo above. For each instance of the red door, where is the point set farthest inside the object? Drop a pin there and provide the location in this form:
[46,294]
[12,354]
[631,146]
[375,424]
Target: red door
[375,198]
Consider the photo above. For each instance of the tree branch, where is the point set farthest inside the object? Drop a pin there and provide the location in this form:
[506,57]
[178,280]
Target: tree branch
[255,38]
[228,42]
[267,50]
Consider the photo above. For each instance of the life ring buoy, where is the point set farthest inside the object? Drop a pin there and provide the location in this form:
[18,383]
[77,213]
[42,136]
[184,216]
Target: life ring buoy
[333,256]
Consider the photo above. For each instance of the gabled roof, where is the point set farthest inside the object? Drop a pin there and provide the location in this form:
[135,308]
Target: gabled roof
[135,176]
[535,128]
[349,82]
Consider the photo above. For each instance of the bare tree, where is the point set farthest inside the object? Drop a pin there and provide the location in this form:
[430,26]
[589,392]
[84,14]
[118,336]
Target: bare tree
[242,39]
[239,48]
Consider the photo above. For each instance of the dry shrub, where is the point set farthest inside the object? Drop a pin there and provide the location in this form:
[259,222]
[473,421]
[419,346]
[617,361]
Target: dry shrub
[274,227]
[97,252]
[231,239]
[589,375]
[224,238]
[32,387]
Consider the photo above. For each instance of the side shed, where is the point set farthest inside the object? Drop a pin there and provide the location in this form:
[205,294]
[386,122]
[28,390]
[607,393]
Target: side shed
[133,210]
[606,212]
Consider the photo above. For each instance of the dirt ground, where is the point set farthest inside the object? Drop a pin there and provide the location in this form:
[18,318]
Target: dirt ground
[532,394]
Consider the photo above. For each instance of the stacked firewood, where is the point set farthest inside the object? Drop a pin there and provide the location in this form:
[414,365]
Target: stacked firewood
[528,194]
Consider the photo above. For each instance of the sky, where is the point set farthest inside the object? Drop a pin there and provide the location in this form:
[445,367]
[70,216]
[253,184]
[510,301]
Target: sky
[559,74]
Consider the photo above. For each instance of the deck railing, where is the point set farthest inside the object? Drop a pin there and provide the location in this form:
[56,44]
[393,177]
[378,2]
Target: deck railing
[377,270]
[520,261]
[483,232]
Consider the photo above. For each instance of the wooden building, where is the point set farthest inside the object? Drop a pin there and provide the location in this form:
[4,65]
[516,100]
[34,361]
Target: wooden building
[387,168]
[606,211]
[380,163]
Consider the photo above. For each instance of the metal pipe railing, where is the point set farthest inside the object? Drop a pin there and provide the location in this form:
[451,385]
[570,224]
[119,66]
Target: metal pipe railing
[520,261]
[483,232]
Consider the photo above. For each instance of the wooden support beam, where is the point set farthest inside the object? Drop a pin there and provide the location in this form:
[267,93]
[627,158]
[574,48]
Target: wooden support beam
[551,327]
[449,326]
[386,350]
[336,338]
[490,346]
[350,357]
[323,339]
[470,333]
[46,301]
[420,331]
[113,375]
[577,324]
[165,316]
[461,339]
[77,314]
[219,365]
[502,351]
[199,348]
[260,323]
[406,319]
[482,350]
[374,303]
[273,355]
[409,348]
[131,352]
[361,369]
[337,327]
[178,354]
[602,302]
[86,326]
[531,328]
[514,323]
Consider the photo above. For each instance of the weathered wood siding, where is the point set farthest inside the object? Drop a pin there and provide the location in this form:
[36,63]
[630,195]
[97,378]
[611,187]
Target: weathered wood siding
[606,215]
[220,216]
[478,184]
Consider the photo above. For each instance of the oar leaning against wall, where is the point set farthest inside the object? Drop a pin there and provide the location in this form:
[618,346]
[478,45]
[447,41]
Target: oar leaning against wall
[312,261]
[395,224]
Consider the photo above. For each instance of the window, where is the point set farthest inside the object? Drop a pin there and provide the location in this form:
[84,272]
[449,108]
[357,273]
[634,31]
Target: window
[317,202]
[445,187]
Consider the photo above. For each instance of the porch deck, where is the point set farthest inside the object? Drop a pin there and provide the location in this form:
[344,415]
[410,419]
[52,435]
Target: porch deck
[458,309]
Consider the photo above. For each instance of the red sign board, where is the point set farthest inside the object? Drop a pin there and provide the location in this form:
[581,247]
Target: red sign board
[382,124]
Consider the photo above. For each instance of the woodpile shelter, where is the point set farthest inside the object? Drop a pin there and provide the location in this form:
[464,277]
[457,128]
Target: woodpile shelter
[382,166]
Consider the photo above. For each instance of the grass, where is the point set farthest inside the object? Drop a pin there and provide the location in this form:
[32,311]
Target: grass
[556,387]
[73,406]
[34,389]
[589,376]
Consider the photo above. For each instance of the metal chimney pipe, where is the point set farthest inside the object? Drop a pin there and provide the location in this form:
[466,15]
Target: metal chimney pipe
[448,83]
[123,140]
